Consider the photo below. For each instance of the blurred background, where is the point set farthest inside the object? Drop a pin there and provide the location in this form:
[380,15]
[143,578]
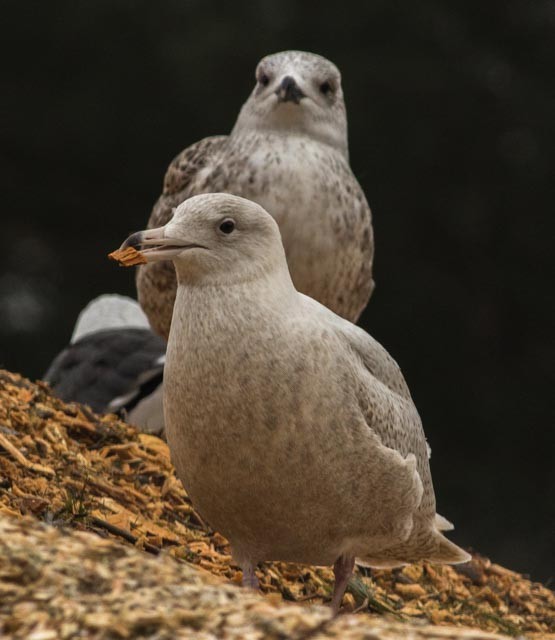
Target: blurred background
[452,135]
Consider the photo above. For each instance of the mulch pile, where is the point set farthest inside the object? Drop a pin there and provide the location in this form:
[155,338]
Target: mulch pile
[69,467]
[61,584]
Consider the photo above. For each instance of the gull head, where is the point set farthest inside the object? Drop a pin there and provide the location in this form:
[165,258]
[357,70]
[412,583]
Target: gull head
[297,92]
[215,238]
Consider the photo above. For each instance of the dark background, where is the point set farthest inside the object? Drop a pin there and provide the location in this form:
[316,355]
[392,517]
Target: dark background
[451,113]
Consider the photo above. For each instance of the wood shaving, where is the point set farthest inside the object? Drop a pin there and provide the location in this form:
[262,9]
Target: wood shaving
[64,465]
[127,257]
[62,584]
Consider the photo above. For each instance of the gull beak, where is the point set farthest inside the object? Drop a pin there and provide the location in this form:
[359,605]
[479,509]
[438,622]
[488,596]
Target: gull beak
[146,237]
[289,91]
[153,245]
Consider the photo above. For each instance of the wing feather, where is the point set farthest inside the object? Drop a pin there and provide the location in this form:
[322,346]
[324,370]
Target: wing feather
[383,396]
[156,282]
[108,364]
[179,181]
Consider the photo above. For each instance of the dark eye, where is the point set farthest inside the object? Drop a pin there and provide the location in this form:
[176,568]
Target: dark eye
[227,225]
[325,88]
[264,79]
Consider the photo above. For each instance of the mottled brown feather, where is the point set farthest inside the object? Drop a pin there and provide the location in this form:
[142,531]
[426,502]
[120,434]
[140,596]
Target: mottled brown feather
[156,284]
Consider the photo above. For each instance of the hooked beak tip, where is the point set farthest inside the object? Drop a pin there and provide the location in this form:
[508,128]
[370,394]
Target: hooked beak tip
[289,91]
[135,240]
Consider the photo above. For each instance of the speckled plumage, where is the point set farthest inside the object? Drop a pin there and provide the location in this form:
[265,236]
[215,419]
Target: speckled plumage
[292,430]
[292,159]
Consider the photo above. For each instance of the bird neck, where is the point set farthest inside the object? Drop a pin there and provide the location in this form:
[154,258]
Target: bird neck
[280,134]
[213,309]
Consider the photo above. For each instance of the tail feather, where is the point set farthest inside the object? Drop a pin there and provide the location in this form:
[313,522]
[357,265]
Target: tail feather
[448,552]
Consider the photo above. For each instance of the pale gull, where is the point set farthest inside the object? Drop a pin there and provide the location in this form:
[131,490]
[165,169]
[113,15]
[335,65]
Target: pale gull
[288,151]
[292,430]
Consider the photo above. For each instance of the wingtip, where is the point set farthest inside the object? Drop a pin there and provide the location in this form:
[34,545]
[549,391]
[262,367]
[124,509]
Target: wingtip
[442,524]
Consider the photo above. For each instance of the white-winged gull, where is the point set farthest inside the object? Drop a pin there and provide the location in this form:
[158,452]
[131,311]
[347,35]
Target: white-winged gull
[114,363]
[288,151]
[292,430]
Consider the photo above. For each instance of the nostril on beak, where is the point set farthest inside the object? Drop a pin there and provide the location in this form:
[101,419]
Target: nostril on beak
[288,83]
[135,240]
[289,91]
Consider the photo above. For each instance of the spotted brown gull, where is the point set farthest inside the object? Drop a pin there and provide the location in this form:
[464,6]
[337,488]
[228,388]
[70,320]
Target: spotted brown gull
[288,151]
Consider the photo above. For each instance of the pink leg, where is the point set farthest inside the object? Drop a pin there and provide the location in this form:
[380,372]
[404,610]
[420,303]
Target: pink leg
[342,570]
[249,576]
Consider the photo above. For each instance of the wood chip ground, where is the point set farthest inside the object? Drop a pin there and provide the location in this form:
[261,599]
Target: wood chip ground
[68,467]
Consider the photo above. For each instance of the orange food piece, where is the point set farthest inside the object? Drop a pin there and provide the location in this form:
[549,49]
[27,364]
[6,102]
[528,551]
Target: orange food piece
[127,257]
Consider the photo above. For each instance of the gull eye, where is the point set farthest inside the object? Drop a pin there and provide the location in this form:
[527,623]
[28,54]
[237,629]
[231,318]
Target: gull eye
[264,80]
[227,226]
[325,88]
